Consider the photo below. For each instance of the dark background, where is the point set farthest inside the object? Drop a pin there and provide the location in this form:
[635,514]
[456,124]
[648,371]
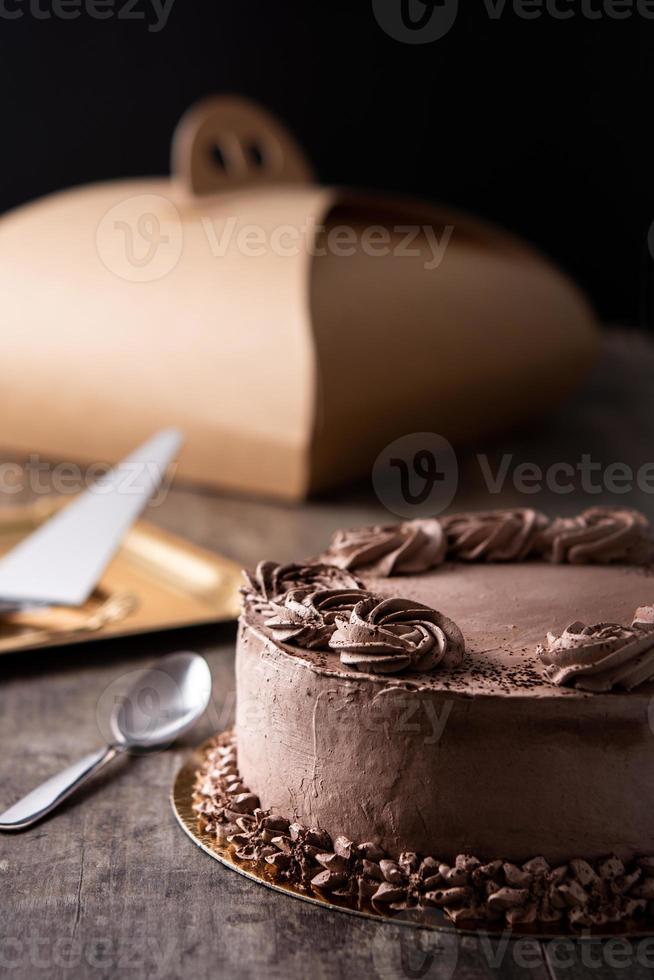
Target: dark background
[541,125]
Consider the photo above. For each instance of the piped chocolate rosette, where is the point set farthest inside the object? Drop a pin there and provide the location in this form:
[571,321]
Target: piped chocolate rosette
[385,636]
[602,657]
[308,617]
[407,548]
[272,581]
[600,534]
[371,633]
[500,535]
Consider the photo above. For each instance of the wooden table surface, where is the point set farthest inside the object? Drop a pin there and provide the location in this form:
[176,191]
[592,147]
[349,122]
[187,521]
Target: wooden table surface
[111,887]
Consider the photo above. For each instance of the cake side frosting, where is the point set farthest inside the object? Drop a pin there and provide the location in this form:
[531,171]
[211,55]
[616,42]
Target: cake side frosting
[424,769]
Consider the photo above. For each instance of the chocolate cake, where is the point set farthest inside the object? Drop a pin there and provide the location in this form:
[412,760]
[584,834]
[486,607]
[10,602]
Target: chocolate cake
[452,713]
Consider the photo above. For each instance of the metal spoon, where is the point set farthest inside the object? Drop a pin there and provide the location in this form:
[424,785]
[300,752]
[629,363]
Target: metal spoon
[166,701]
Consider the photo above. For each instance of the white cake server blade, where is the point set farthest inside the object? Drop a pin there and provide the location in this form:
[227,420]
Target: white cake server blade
[60,563]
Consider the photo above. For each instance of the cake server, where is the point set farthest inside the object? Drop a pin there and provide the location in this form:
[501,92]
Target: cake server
[60,563]
[165,701]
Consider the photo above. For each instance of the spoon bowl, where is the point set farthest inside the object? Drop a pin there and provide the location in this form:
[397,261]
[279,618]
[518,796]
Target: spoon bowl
[162,704]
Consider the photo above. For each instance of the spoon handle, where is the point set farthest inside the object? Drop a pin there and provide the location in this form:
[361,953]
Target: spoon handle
[47,797]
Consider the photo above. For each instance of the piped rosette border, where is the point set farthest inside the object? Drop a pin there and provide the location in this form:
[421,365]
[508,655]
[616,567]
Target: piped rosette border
[323,605]
[599,534]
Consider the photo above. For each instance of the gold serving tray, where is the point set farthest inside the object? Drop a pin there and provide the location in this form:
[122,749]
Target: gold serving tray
[181,799]
[156,581]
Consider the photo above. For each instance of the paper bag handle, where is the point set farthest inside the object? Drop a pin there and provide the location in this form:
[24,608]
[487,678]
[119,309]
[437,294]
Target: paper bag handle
[227,142]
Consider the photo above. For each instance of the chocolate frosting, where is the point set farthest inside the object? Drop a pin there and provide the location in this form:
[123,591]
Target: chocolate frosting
[321,605]
[601,657]
[271,581]
[600,534]
[385,636]
[410,547]
[469,761]
[308,617]
[365,877]
[371,633]
[496,535]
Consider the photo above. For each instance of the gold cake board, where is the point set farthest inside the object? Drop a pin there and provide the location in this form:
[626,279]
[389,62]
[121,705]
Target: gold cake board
[181,800]
[156,581]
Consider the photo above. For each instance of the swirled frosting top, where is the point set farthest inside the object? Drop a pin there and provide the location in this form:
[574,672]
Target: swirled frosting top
[488,603]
